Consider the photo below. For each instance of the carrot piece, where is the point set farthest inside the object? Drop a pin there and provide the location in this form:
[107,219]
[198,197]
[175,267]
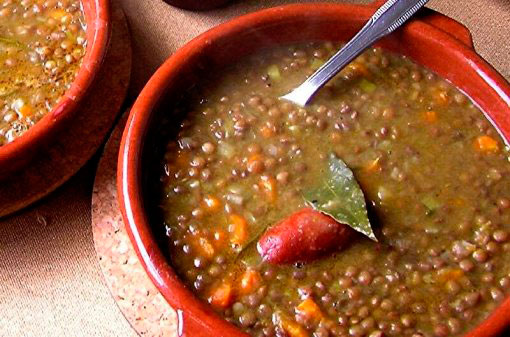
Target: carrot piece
[211,203]
[250,280]
[373,166]
[268,186]
[358,68]
[267,132]
[459,202]
[58,14]
[221,295]
[441,97]
[219,238]
[453,274]
[309,309]
[26,110]
[486,144]
[206,248]
[292,328]
[182,159]
[430,116]
[238,229]
[253,158]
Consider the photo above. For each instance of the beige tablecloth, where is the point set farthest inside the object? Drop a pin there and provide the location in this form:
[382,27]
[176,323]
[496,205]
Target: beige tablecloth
[50,281]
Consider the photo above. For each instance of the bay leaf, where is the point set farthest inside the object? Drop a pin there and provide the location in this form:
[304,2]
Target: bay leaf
[340,196]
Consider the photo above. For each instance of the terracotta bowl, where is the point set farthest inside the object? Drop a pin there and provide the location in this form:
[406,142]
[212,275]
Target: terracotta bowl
[19,152]
[433,40]
[197,5]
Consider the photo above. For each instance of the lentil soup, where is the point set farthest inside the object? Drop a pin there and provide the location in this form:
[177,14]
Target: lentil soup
[435,174]
[42,44]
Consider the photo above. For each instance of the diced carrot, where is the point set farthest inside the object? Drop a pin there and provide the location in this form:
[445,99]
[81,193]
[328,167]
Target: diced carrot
[267,132]
[253,158]
[335,137]
[221,295]
[219,238]
[26,110]
[250,280]
[211,203]
[58,14]
[238,229]
[268,186]
[205,247]
[486,144]
[430,116]
[358,68]
[373,166]
[310,309]
[451,274]
[458,202]
[182,159]
[441,97]
[292,328]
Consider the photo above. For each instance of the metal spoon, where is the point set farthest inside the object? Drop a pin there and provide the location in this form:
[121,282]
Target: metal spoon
[387,18]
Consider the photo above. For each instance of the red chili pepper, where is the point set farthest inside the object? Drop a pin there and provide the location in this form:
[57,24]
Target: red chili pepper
[303,236]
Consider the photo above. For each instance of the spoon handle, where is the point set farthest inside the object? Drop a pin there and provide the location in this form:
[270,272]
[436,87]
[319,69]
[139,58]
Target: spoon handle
[386,19]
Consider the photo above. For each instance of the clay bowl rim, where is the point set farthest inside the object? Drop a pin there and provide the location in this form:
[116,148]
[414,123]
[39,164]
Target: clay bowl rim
[189,308]
[98,19]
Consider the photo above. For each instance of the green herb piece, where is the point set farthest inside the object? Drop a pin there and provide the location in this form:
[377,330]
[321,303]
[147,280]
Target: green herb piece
[226,150]
[7,91]
[274,73]
[431,203]
[367,86]
[12,42]
[341,197]
[316,64]
[70,35]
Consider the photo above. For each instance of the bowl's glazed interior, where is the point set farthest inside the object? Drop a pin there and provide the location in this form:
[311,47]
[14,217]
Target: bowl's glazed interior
[434,41]
[19,152]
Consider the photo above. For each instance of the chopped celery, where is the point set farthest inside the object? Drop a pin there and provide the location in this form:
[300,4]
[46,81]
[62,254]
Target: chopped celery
[295,129]
[70,36]
[335,288]
[384,193]
[274,73]
[367,86]
[226,150]
[316,64]
[252,259]
[414,95]
[12,42]
[431,203]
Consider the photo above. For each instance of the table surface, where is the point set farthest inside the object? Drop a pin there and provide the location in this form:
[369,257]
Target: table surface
[51,284]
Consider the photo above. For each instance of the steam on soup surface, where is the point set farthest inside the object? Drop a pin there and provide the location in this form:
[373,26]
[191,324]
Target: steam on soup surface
[434,171]
[42,44]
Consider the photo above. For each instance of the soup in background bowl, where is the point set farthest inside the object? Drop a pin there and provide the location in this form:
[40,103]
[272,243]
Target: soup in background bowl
[50,52]
[206,173]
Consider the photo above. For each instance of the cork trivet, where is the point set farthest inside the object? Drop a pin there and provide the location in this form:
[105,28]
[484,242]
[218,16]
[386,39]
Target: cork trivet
[76,144]
[138,299]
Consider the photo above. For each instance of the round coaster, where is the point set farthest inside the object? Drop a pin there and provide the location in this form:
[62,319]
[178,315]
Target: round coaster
[138,299]
[74,146]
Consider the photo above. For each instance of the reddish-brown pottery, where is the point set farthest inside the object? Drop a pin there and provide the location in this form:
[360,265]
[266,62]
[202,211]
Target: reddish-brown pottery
[433,40]
[18,153]
[197,5]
